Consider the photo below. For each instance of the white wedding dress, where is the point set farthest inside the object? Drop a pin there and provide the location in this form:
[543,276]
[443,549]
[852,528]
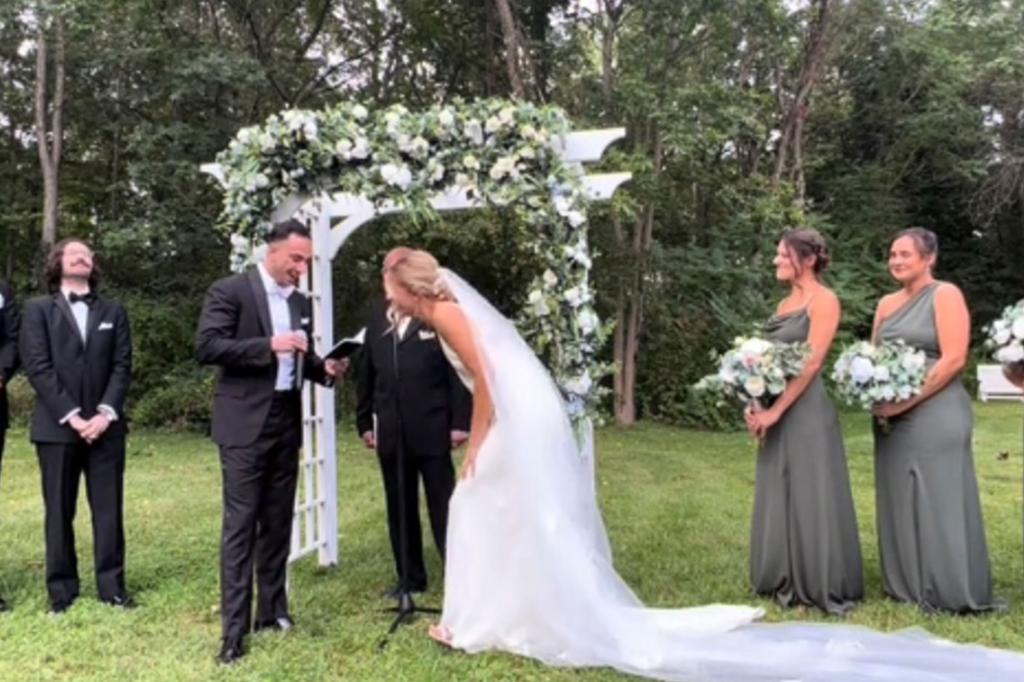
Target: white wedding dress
[529,568]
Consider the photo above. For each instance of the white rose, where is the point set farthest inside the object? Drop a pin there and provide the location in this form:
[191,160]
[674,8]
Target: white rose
[754,386]
[507,116]
[474,132]
[246,135]
[581,384]
[310,129]
[343,148]
[881,374]
[588,321]
[492,125]
[575,297]
[471,162]
[1018,328]
[1011,354]
[913,361]
[420,146]
[446,118]
[504,166]
[361,150]
[436,170]
[861,370]
[752,347]
[359,112]
[575,218]
[538,303]
[239,242]
[550,278]
[261,181]
[1002,336]
[562,204]
[388,172]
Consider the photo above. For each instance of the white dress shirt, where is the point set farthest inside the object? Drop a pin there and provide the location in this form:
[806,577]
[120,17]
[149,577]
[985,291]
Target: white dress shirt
[281,319]
[80,311]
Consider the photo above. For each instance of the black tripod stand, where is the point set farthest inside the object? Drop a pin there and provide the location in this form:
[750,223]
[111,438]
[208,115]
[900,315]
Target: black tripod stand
[406,609]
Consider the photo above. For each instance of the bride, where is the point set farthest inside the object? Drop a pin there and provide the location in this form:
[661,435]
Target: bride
[529,569]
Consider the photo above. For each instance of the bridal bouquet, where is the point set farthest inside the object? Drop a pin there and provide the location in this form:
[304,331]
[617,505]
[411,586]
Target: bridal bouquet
[866,374]
[755,370]
[1006,335]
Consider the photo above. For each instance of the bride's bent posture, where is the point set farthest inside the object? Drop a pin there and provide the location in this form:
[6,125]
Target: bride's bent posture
[529,569]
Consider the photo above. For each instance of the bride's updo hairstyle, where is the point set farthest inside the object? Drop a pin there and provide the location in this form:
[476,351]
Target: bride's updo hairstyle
[418,272]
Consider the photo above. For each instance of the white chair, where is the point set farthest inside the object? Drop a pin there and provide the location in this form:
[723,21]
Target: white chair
[992,385]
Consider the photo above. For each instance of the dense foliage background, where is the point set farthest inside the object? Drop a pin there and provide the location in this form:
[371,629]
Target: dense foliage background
[744,117]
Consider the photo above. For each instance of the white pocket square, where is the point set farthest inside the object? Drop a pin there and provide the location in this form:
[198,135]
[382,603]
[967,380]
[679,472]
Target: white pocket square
[104,326]
[426,336]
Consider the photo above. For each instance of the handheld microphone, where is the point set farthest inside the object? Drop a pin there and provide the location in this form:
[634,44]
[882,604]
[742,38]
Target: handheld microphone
[299,358]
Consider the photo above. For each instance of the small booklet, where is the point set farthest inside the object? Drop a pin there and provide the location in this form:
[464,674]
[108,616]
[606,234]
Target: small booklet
[347,346]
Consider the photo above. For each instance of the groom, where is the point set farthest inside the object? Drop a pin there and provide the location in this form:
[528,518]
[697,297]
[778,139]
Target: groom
[255,326]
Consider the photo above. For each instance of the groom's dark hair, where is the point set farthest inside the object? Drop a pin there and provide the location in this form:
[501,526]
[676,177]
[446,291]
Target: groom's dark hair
[282,230]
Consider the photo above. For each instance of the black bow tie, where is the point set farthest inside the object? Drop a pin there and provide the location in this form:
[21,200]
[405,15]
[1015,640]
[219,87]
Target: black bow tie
[87,299]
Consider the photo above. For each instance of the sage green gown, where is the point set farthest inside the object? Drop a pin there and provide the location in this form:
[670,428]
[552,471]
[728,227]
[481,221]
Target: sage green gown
[804,547]
[930,532]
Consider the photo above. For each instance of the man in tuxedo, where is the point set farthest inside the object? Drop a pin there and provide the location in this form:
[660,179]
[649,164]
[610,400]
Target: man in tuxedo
[421,411]
[77,354]
[255,326]
[8,365]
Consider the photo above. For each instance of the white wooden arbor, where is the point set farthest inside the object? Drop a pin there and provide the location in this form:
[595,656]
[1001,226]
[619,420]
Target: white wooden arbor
[333,219]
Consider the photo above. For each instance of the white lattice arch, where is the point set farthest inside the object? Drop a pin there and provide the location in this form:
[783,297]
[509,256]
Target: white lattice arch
[315,527]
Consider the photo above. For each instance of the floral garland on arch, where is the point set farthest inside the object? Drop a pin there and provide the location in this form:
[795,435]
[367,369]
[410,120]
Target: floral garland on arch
[501,152]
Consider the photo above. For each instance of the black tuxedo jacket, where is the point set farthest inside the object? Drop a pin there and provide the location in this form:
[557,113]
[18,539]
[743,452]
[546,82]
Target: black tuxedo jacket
[8,346]
[426,398]
[234,333]
[67,373]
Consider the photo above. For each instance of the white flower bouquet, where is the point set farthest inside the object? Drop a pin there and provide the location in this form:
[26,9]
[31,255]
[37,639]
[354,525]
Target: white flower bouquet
[755,370]
[866,374]
[1006,335]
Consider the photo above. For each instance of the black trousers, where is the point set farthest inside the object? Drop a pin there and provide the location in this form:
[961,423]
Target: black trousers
[259,499]
[62,465]
[438,476]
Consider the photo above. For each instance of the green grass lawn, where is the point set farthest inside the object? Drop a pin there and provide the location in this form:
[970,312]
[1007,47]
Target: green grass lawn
[677,505]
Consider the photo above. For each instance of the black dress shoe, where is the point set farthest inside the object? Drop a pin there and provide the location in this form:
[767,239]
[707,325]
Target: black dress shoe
[281,624]
[59,606]
[230,652]
[121,601]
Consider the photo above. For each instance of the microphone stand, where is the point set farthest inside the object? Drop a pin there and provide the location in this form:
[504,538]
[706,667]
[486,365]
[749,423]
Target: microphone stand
[406,609]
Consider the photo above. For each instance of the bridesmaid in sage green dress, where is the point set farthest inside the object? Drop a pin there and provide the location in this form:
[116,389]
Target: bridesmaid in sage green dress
[930,531]
[804,548]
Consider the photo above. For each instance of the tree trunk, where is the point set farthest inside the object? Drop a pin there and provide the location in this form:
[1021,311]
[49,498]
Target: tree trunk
[791,141]
[50,142]
[521,75]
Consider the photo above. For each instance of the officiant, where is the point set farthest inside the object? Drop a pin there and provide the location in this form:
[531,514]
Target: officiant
[412,410]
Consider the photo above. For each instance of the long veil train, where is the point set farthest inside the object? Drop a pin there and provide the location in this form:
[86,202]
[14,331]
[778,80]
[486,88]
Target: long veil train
[529,568]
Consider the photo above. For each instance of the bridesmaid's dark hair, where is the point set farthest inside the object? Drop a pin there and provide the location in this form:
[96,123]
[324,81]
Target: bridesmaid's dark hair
[803,244]
[925,240]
